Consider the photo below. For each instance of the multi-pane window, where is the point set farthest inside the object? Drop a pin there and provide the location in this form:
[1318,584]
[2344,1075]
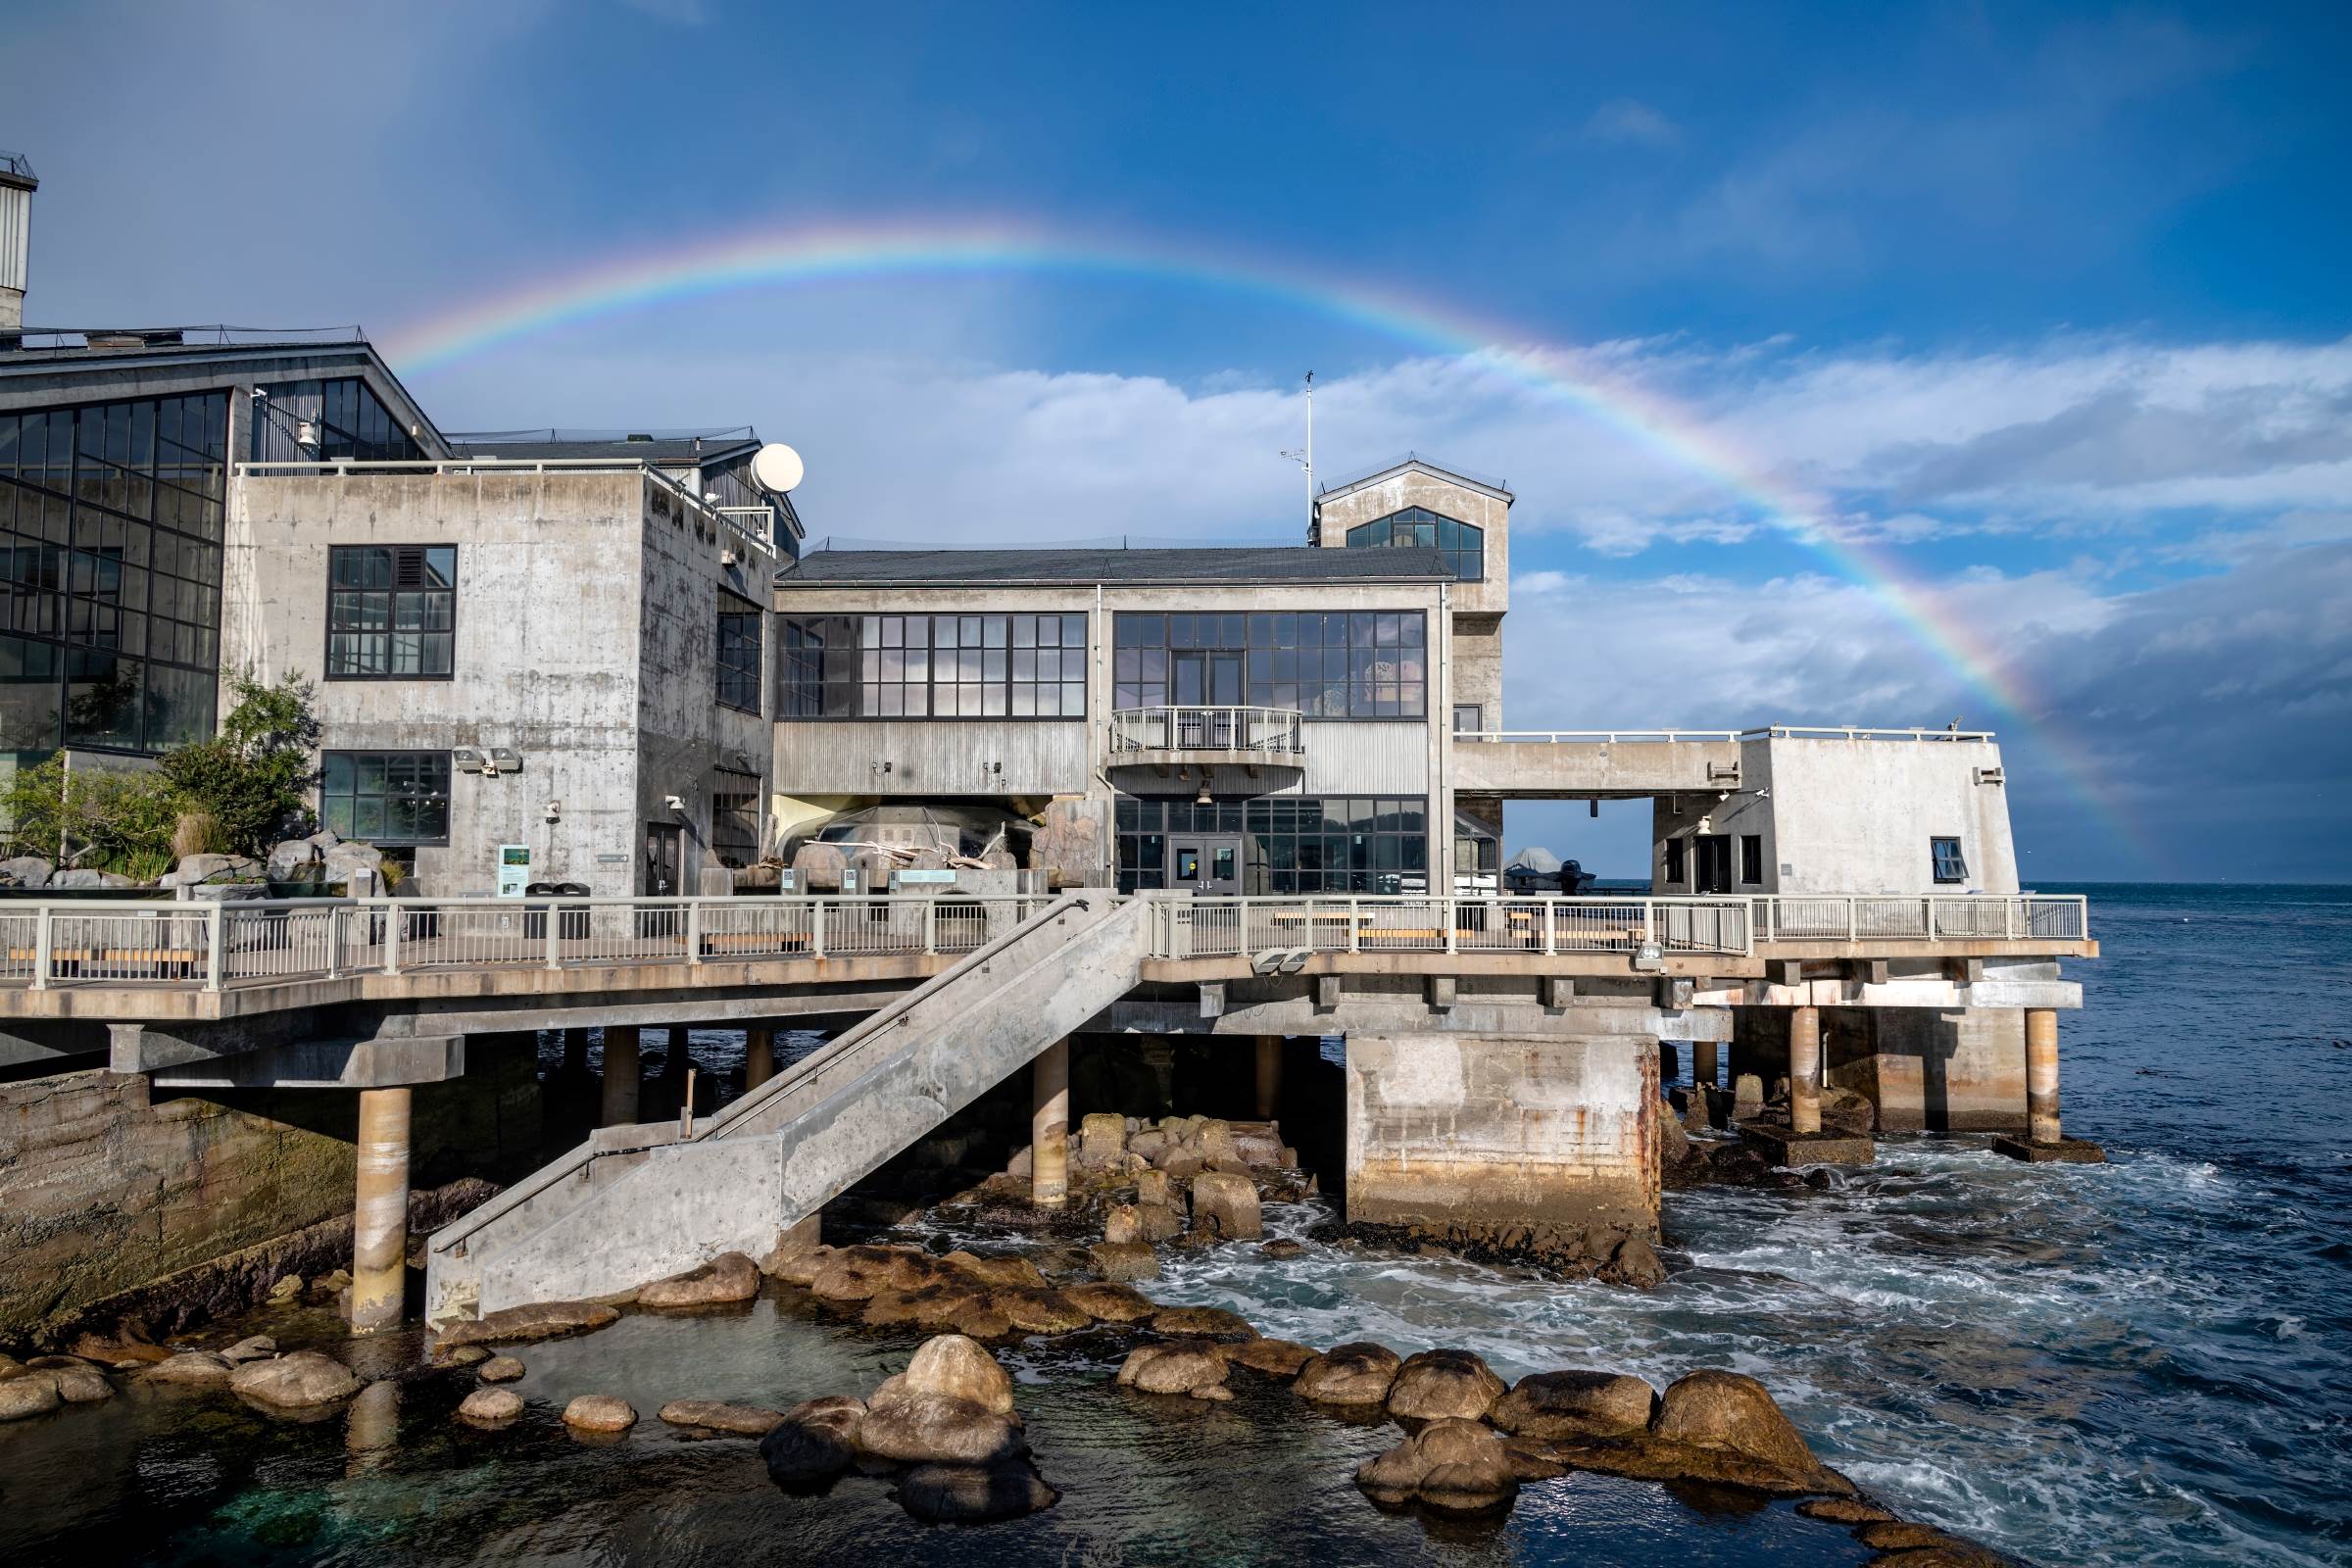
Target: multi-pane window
[1950,867]
[386,797]
[1297,844]
[110,573]
[346,422]
[934,666]
[738,653]
[735,816]
[1324,663]
[391,611]
[1468,718]
[1463,544]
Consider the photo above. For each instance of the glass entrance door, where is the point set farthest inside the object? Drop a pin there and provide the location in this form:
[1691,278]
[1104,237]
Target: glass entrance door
[1206,863]
[1714,863]
[1205,678]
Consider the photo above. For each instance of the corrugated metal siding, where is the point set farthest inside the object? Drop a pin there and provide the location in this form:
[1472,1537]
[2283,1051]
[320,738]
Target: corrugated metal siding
[1359,759]
[928,757]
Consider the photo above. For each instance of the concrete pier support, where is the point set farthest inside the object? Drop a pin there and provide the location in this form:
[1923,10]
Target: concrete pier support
[1705,1063]
[759,1056]
[1804,1070]
[379,1237]
[1670,1062]
[623,1075]
[2042,1076]
[1269,1075]
[1049,1127]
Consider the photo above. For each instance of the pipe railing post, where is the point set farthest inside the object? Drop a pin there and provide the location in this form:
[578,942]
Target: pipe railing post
[334,942]
[215,942]
[931,924]
[694,931]
[392,919]
[816,928]
[44,945]
[555,935]
[1552,927]
[1852,915]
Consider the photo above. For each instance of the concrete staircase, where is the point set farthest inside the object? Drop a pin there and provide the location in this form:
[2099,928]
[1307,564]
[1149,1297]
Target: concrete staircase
[635,1204]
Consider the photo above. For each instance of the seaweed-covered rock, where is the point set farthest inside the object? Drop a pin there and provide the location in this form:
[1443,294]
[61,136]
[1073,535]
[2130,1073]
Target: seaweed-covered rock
[1111,1303]
[1192,1367]
[1545,1405]
[1035,1310]
[721,1415]
[1359,1373]
[1274,1358]
[934,1427]
[816,1441]
[536,1320]
[1438,1384]
[1122,1261]
[954,1366]
[995,1270]
[302,1380]
[1213,1322]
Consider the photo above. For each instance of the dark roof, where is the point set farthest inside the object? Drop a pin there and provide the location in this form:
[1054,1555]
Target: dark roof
[37,348]
[557,445]
[942,568]
[1410,460]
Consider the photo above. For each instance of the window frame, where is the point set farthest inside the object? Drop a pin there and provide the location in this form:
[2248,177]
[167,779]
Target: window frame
[1675,872]
[1146,641]
[447,795]
[807,670]
[328,644]
[1937,846]
[1380,533]
[728,603]
[1751,859]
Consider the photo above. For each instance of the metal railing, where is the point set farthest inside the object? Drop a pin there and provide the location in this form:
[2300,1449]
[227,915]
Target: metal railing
[1946,917]
[1553,737]
[224,945]
[217,946]
[1225,928]
[653,471]
[1272,731]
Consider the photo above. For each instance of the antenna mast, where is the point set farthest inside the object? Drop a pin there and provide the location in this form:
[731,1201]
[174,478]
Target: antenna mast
[1305,457]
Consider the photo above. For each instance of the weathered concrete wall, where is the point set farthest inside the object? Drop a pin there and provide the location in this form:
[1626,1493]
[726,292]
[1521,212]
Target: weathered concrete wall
[1852,816]
[1926,1069]
[106,1185]
[1477,505]
[1501,1131]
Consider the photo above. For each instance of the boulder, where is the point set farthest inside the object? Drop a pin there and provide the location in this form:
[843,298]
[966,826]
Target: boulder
[1547,1405]
[1180,1163]
[1636,1262]
[1275,1359]
[295,860]
[1102,1139]
[1149,1144]
[1443,1385]
[189,1366]
[796,1268]
[1282,1249]
[1039,1311]
[1748,1096]
[1844,1511]
[1119,1261]
[1212,1322]
[537,1320]
[258,1348]
[196,869]
[1354,1374]
[953,1365]
[930,1427]
[1152,1187]
[956,1494]
[81,1385]
[468,1356]
[816,1441]
[1187,1366]
[719,1415]
[26,871]
[600,1412]
[1717,1410]
[299,1381]
[490,1406]
[33,1394]
[340,861]
[728,1276]
[1111,1303]
[1453,1466]
[1140,1222]
[852,1274]
[1226,1205]
[500,1369]
[120,1353]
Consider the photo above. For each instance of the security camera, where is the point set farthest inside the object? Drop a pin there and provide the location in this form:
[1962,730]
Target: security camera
[554,811]
[673,802]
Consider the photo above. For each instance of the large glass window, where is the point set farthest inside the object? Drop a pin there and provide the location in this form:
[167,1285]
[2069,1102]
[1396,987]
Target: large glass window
[1463,544]
[738,653]
[1295,843]
[1324,663]
[110,573]
[391,611]
[347,419]
[934,666]
[386,797]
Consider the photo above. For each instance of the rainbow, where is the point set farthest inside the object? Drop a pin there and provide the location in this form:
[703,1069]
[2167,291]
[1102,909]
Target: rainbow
[810,256]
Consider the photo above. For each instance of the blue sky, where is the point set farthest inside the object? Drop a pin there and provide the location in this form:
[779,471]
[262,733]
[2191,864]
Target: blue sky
[2045,302]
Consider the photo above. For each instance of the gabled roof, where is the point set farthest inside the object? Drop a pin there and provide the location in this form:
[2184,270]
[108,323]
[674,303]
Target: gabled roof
[949,569]
[1414,461]
[669,448]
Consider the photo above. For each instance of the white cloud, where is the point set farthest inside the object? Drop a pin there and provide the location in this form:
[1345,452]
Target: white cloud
[1629,120]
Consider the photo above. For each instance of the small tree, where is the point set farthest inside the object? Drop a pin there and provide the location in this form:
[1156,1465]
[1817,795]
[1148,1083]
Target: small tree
[107,819]
[253,777]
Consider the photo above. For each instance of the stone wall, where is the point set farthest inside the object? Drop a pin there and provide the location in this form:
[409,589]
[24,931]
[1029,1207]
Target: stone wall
[107,1183]
[1495,1134]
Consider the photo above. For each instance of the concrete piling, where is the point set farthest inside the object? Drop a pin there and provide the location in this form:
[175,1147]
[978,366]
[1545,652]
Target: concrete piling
[622,1075]
[1049,1127]
[759,1056]
[379,1239]
[2041,1075]
[1705,1063]
[1670,1063]
[1804,1070]
[1269,1075]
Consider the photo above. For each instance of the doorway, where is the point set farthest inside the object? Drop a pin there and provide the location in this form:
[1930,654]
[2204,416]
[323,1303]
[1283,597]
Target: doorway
[1205,678]
[1714,864]
[664,844]
[1206,864]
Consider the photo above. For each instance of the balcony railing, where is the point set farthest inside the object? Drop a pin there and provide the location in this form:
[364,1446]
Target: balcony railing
[1951,917]
[1225,928]
[1273,732]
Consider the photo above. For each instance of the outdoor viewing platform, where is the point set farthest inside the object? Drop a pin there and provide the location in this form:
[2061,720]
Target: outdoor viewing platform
[1635,764]
[1208,737]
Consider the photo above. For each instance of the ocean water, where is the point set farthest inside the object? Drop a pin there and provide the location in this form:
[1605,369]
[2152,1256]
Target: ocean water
[2145,1362]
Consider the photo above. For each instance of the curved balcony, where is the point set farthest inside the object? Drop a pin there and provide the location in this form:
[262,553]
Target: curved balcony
[1171,737]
